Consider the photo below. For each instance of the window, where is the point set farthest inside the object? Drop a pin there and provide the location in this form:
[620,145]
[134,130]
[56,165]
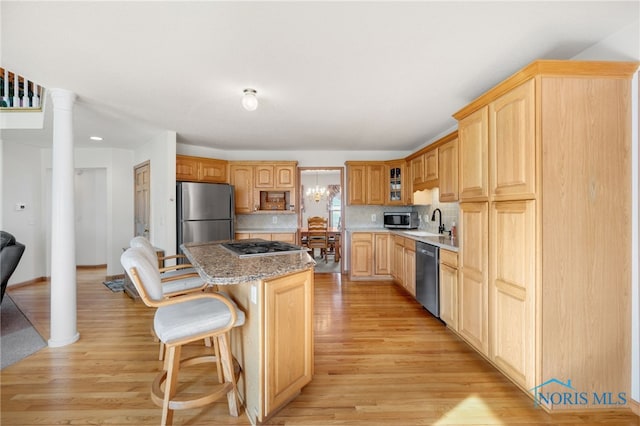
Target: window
[335,211]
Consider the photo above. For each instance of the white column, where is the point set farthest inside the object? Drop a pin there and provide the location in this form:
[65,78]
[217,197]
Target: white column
[16,90]
[63,251]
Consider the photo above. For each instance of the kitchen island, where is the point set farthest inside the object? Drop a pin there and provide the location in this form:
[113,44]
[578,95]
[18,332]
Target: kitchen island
[275,345]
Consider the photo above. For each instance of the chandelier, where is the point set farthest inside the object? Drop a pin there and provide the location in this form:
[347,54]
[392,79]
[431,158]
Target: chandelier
[317,193]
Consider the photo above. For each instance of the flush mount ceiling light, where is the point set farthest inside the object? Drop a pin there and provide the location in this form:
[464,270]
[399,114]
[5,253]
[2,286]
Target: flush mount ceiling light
[250,100]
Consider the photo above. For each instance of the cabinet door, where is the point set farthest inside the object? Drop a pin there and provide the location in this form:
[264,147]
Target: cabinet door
[357,184]
[512,289]
[264,176]
[448,171]
[431,168]
[375,180]
[396,192]
[285,176]
[186,169]
[449,295]
[398,260]
[473,286]
[288,337]
[242,180]
[512,143]
[473,166]
[382,254]
[410,270]
[361,254]
[212,170]
[417,171]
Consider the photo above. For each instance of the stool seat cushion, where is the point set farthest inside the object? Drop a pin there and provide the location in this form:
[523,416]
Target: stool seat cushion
[181,284]
[192,318]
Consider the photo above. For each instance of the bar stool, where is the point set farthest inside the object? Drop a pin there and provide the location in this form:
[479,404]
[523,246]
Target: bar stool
[178,321]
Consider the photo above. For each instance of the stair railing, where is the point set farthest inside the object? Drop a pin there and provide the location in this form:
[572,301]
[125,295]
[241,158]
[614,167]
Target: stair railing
[17,92]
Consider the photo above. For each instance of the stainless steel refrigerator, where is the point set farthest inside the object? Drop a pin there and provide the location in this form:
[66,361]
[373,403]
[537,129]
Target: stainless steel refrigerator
[205,212]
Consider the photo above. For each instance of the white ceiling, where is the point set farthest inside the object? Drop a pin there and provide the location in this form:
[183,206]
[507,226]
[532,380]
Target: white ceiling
[329,75]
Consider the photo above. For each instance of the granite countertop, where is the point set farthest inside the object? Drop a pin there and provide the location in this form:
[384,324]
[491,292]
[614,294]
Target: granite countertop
[217,265]
[441,240]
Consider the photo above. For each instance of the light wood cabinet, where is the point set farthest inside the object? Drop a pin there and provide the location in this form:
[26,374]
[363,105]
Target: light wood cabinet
[366,183]
[254,181]
[424,169]
[396,191]
[404,263]
[449,288]
[278,335]
[512,287]
[382,254]
[431,168]
[512,144]
[241,177]
[397,264]
[288,338]
[473,297]
[559,138]
[370,256]
[275,176]
[409,282]
[199,169]
[473,163]
[448,171]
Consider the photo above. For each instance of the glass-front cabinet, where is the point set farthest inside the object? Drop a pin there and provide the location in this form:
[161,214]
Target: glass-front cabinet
[396,191]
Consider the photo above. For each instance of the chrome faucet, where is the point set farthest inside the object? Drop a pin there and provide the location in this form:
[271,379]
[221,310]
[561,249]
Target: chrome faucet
[440,225]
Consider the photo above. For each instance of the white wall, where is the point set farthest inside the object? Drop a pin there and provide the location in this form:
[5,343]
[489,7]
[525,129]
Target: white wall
[625,46]
[21,183]
[118,201]
[161,154]
[91,216]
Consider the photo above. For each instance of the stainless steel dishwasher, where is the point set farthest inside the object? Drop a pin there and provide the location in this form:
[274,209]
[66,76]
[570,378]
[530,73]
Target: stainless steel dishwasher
[428,277]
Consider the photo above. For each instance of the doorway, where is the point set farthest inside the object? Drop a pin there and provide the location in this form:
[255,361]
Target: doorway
[321,193]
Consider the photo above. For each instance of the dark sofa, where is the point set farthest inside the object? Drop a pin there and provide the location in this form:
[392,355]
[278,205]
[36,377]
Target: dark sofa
[10,254]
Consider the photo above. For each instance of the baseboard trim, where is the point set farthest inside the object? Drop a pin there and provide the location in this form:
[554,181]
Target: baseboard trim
[90,267]
[33,281]
[635,406]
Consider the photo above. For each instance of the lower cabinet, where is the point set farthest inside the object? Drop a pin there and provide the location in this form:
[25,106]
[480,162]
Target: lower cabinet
[449,288]
[473,298]
[404,263]
[275,346]
[370,256]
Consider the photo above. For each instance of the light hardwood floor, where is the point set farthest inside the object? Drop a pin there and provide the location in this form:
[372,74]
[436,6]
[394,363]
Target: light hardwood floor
[379,359]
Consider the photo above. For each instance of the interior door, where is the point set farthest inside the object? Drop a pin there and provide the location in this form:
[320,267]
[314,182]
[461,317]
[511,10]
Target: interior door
[142,185]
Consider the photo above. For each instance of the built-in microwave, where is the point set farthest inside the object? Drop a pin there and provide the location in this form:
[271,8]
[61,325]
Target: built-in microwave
[401,220]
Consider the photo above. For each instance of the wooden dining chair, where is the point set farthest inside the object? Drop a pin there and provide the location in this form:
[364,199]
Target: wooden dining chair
[317,237]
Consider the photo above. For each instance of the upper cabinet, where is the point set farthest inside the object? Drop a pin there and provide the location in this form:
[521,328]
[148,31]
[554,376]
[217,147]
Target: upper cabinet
[199,169]
[448,170]
[512,144]
[396,184]
[424,169]
[263,186]
[366,182]
[473,161]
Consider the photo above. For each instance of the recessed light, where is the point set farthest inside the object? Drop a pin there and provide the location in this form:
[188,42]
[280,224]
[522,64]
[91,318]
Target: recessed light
[95,138]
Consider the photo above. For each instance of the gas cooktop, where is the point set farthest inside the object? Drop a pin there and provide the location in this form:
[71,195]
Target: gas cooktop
[260,248]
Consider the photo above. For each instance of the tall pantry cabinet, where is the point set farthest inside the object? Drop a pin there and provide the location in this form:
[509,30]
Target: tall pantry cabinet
[545,173]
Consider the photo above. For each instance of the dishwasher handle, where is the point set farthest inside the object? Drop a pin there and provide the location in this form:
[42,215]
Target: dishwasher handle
[427,252]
